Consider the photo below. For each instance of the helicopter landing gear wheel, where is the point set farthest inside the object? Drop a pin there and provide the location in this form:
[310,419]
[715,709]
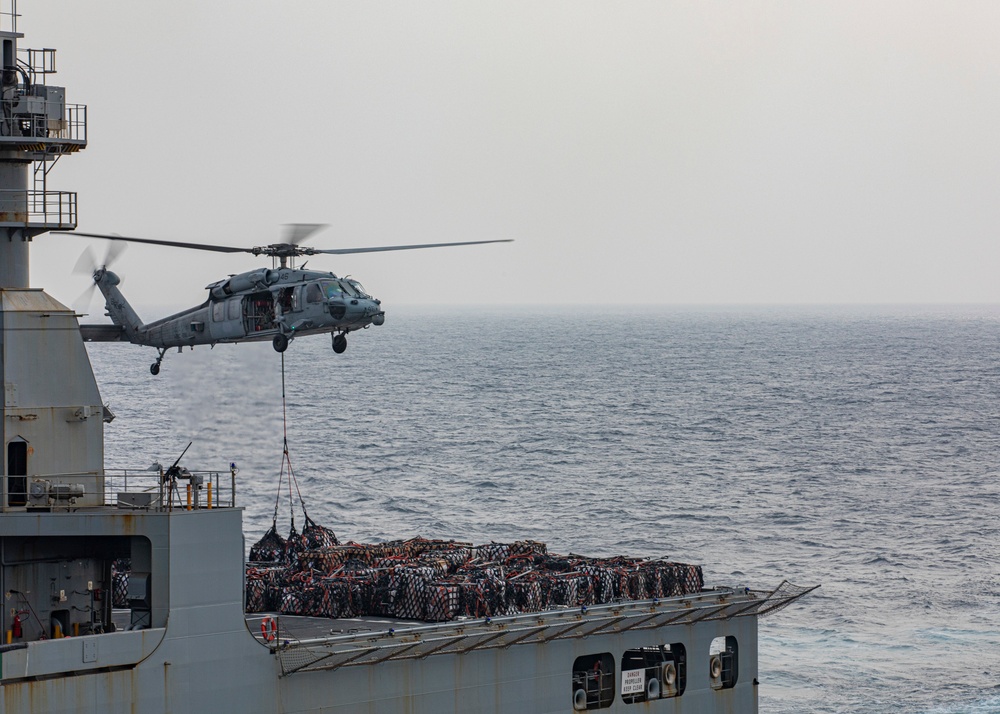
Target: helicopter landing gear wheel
[154,369]
[339,343]
[280,343]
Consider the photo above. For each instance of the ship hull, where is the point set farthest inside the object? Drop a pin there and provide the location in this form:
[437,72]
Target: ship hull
[202,654]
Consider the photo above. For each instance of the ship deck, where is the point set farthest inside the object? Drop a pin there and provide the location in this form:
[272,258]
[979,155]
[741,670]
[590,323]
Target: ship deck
[316,643]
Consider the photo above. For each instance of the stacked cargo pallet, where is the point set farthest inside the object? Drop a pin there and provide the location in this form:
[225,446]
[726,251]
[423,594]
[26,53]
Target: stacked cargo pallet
[434,580]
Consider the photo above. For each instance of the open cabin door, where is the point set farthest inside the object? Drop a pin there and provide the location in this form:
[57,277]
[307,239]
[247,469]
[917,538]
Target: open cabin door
[17,472]
[258,312]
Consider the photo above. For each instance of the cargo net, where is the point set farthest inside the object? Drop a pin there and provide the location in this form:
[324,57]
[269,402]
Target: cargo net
[272,548]
[437,581]
[120,568]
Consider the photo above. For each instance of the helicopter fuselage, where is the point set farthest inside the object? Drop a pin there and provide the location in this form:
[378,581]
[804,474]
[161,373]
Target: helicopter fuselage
[261,304]
[276,305]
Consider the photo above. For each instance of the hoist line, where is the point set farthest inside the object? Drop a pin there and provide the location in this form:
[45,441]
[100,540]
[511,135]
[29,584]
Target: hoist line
[286,460]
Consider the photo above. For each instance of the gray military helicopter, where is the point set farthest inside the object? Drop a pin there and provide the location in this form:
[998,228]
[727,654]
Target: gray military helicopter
[276,304]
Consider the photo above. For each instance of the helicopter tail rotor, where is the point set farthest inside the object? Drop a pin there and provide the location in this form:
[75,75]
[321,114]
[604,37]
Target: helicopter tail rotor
[87,264]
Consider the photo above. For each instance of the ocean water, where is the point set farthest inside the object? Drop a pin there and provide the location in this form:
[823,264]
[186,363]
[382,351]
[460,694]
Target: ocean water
[856,448]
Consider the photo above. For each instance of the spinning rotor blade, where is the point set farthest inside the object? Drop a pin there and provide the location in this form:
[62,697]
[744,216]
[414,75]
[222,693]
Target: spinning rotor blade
[115,249]
[380,249]
[295,233]
[81,305]
[87,264]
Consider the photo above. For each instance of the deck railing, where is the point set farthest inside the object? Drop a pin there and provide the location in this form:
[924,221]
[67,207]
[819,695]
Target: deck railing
[165,491]
[35,123]
[38,208]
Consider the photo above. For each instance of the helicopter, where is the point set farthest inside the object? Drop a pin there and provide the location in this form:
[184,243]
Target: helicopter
[278,304]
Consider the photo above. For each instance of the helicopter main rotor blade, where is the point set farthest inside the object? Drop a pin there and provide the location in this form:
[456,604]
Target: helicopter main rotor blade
[295,233]
[172,243]
[379,249]
[298,232]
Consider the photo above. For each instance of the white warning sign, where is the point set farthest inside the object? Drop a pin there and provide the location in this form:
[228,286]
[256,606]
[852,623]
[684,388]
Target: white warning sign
[633,681]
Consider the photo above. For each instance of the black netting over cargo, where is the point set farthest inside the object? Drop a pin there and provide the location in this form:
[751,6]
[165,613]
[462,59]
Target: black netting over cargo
[120,568]
[442,602]
[410,600]
[315,536]
[270,548]
[526,595]
[436,581]
[294,546]
[263,592]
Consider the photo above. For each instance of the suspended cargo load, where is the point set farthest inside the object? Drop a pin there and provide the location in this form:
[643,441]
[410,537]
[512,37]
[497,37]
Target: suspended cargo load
[270,548]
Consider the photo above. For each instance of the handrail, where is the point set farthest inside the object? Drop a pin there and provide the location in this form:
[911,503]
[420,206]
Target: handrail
[8,16]
[186,490]
[30,207]
[20,125]
[141,489]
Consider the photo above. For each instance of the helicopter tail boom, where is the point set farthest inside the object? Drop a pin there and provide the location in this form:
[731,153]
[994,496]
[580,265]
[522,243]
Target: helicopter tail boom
[119,309]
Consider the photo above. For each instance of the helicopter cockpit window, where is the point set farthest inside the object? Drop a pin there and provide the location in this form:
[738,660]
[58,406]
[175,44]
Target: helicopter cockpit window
[314,293]
[357,287]
[332,288]
[349,289]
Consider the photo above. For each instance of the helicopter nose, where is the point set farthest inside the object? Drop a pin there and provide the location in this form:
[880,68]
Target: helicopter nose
[372,312]
[360,311]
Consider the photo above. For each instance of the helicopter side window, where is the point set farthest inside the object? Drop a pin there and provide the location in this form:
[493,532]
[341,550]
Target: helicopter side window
[314,293]
[234,312]
[218,311]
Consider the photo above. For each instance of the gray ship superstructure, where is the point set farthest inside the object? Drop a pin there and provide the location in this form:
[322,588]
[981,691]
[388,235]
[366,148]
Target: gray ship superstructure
[183,643]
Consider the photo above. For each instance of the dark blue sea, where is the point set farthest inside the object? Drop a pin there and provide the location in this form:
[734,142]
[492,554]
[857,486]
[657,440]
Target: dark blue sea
[856,448]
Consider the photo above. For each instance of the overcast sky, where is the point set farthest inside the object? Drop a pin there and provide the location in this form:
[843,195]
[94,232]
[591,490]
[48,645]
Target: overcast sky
[638,152]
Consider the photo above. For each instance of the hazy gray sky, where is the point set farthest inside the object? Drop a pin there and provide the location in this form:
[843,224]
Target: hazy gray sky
[638,152]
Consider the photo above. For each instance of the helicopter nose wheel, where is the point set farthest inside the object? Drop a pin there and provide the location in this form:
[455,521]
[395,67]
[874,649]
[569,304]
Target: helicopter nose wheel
[154,369]
[280,343]
[339,343]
